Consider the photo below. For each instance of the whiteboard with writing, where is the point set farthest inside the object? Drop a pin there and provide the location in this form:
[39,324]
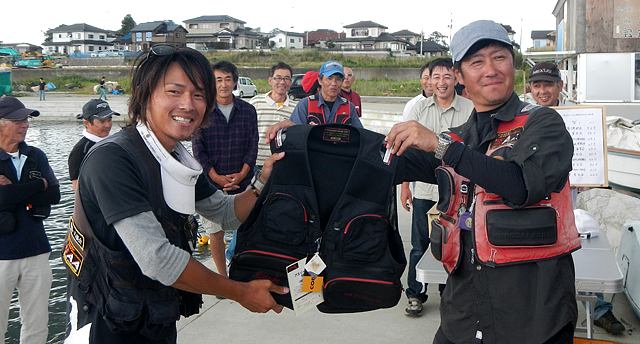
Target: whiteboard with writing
[586,124]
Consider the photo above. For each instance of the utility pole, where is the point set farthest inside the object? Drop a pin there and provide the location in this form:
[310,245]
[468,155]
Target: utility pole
[450,28]
[422,36]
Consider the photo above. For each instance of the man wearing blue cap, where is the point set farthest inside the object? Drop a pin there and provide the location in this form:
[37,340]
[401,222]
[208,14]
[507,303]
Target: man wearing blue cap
[506,229]
[326,106]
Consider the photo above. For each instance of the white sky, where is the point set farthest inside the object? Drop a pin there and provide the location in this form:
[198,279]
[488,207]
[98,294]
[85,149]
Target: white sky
[29,24]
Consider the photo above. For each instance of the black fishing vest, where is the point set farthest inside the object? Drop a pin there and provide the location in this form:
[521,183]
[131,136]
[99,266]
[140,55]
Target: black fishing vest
[333,194]
[112,281]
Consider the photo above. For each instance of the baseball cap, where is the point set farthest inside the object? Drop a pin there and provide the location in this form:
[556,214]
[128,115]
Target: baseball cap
[309,79]
[11,108]
[332,67]
[475,32]
[544,71]
[98,108]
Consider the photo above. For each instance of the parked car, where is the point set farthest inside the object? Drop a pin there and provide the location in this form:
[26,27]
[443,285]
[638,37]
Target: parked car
[296,91]
[245,88]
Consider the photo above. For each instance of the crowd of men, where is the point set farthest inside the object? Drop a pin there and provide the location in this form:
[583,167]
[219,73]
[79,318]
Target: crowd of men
[126,219]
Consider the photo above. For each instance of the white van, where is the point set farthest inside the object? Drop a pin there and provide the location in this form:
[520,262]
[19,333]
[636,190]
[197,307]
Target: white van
[245,88]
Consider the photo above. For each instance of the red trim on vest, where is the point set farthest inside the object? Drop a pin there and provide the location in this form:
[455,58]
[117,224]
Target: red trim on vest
[315,114]
[567,237]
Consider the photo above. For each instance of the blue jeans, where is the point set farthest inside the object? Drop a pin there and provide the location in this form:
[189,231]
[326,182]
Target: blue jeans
[41,94]
[601,305]
[419,244]
[102,93]
[232,247]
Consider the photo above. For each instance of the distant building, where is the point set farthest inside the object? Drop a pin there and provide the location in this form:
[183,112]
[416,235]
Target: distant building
[367,35]
[408,36]
[288,40]
[543,39]
[146,35]
[429,49]
[319,38]
[77,38]
[22,47]
[221,32]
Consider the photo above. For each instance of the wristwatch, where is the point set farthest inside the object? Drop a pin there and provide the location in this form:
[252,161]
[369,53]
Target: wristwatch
[444,141]
[257,184]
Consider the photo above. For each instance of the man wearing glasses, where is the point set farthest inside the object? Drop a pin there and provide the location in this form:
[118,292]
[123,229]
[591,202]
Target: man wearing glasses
[28,187]
[347,93]
[272,107]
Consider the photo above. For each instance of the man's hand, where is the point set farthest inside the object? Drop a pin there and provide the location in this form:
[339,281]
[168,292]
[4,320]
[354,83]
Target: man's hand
[273,130]
[256,296]
[411,134]
[236,178]
[405,196]
[267,168]
[4,180]
[226,182]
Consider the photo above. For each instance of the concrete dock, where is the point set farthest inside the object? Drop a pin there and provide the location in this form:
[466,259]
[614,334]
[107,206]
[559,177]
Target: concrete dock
[225,321]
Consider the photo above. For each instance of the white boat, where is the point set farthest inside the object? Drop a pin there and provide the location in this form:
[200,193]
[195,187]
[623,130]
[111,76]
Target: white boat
[624,168]
[629,262]
[623,153]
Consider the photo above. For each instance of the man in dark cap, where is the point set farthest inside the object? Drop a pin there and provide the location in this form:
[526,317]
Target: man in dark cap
[506,228]
[97,115]
[28,187]
[545,83]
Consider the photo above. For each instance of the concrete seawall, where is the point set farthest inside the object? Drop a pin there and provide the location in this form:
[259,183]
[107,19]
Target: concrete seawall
[65,107]
[92,72]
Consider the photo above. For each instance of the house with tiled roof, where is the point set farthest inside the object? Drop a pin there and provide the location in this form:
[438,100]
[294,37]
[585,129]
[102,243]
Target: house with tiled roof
[146,35]
[319,38]
[543,38]
[221,32]
[368,35]
[287,40]
[429,49]
[407,35]
[77,38]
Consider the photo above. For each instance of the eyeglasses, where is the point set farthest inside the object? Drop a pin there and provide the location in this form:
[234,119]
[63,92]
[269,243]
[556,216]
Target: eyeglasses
[349,74]
[278,79]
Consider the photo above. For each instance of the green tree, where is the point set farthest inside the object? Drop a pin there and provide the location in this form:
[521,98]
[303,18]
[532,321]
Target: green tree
[127,24]
[48,35]
[439,38]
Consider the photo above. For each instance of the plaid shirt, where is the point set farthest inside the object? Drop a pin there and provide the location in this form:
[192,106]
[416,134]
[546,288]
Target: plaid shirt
[227,146]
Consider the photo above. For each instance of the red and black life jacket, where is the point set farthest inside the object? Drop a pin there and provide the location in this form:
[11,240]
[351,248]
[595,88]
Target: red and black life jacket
[502,235]
[315,113]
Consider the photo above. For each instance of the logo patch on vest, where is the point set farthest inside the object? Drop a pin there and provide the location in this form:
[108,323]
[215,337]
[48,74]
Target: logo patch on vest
[336,134]
[75,234]
[507,138]
[72,258]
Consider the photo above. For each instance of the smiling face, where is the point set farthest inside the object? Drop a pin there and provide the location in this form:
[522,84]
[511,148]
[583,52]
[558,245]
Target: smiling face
[546,93]
[443,82]
[176,107]
[280,87]
[425,82]
[488,76]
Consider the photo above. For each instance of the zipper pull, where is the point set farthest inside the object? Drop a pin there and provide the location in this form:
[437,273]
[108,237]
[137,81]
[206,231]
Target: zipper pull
[473,256]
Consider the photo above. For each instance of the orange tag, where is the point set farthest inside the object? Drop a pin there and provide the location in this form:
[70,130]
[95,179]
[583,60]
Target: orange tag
[310,285]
